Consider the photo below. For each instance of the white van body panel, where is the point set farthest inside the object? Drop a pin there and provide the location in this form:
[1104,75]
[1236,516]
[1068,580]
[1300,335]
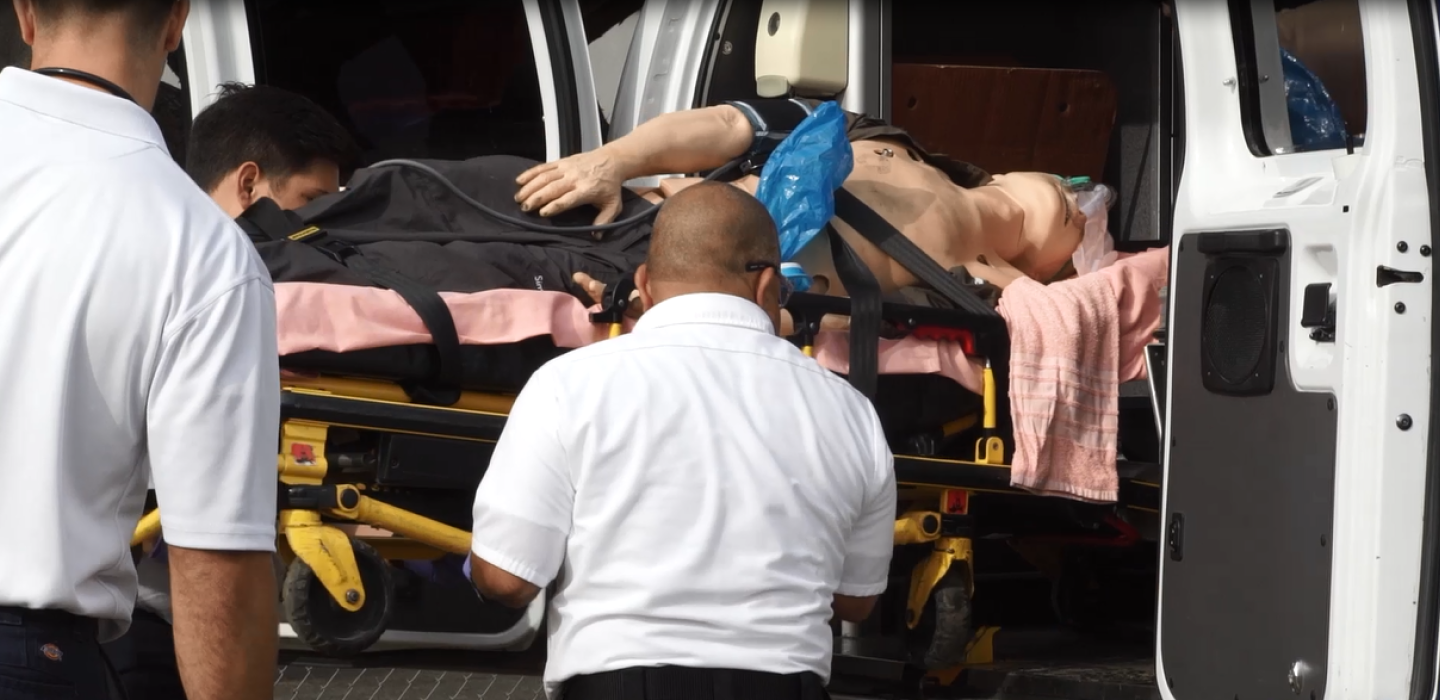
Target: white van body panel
[217,49]
[544,69]
[588,103]
[1378,368]
[662,70]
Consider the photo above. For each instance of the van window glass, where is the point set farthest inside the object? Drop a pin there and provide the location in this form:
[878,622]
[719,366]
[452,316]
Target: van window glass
[1303,74]
[609,28]
[448,79]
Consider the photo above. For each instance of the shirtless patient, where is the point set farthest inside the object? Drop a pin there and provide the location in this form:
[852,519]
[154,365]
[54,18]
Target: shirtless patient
[999,228]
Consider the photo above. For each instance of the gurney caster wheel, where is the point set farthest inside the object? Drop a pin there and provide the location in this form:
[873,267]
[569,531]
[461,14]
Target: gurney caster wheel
[941,638]
[325,626]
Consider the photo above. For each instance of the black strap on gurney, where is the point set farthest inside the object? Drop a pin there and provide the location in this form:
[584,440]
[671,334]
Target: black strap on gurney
[864,290]
[889,239]
[266,221]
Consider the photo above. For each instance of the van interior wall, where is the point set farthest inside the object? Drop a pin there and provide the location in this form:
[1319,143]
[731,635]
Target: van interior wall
[1122,39]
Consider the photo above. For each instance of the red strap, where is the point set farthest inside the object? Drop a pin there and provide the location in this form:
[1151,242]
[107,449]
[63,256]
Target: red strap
[964,337]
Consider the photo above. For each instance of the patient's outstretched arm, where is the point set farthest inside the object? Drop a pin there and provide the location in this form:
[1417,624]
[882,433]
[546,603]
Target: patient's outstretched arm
[675,142]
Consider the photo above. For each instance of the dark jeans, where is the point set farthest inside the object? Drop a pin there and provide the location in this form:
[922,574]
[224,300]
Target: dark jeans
[52,655]
[145,659]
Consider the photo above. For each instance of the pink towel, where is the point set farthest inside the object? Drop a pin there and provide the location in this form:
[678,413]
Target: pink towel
[1071,344]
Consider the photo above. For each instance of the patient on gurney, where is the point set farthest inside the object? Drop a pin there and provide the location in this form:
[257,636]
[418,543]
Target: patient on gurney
[998,228]
[1072,340]
[1074,337]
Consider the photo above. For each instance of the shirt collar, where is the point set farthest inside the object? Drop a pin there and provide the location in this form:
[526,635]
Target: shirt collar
[706,308]
[82,106]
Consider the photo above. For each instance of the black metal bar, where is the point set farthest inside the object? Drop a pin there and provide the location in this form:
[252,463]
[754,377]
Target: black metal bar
[379,415]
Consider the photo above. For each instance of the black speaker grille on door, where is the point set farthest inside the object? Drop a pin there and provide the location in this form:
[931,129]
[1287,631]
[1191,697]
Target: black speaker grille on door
[1237,324]
[1240,324]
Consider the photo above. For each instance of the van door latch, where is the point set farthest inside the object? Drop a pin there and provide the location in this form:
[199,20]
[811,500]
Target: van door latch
[1318,312]
[1385,276]
[1175,536]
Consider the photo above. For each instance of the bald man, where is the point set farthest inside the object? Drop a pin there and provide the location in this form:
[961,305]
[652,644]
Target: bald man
[703,497]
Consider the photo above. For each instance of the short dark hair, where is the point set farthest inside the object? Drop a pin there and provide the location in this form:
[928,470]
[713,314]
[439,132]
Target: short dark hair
[147,16]
[709,232]
[281,131]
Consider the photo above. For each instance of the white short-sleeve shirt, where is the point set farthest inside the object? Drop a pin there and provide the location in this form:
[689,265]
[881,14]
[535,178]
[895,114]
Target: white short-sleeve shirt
[139,337]
[699,488]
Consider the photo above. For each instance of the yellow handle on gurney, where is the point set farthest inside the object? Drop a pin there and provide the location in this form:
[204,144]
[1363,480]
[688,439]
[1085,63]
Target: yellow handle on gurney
[989,449]
[616,329]
[146,529]
[991,420]
[809,350]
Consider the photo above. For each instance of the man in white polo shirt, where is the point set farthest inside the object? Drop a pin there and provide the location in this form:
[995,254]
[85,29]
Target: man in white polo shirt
[139,338]
[706,496]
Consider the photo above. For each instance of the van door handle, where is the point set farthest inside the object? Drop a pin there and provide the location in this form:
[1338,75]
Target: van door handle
[1318,313]
[1386,276]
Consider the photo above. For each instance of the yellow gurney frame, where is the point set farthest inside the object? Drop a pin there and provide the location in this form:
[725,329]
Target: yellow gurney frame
[315,547]
[314,501]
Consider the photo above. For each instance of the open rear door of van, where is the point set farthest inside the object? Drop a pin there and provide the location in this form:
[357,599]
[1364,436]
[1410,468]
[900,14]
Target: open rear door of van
[1300,337]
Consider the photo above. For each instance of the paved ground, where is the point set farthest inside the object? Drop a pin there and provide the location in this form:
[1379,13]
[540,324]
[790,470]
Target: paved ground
[298,682]
[301,682]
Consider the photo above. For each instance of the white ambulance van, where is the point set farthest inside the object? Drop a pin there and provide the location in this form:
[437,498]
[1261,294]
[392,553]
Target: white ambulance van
[1285,516]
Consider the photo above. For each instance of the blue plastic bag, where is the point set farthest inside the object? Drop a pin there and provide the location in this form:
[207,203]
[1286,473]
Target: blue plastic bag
[1315,120]
[799,180]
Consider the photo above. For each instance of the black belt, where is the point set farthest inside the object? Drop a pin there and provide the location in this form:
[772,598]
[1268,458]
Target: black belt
[678,683]
[50,619]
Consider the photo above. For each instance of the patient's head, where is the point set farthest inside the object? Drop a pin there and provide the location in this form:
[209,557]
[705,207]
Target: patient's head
[1053,223]
[262,141]
[713,238]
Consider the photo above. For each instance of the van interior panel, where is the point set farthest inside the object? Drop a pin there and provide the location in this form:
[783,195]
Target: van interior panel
[1130,41]
[1009,119]
[1251,514]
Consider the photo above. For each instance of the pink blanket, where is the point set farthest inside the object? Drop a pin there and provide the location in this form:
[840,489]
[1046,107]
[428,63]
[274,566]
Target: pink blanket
[1071,344]
[344,318]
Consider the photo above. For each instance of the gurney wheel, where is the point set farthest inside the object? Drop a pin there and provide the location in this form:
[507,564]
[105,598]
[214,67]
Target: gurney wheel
[941,638]
[322,624]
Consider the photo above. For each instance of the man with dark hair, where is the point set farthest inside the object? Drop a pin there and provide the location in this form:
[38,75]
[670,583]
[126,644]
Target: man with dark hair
[695,435]
[144,350]
[262,141]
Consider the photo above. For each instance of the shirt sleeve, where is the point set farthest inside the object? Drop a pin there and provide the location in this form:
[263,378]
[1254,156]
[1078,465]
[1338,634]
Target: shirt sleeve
[211,423]
[872,537]
[524,504]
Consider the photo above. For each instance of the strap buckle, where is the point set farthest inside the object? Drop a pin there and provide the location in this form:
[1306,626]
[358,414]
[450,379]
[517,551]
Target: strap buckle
[315,237]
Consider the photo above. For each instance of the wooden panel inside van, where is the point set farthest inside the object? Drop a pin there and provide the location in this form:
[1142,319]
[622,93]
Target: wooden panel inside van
[1008,119]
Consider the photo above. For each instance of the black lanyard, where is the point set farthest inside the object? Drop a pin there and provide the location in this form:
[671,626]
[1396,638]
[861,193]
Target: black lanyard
[84,77]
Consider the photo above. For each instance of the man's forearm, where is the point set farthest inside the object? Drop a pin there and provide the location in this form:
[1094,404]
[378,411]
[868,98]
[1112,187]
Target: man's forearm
[226,631]
[688,141]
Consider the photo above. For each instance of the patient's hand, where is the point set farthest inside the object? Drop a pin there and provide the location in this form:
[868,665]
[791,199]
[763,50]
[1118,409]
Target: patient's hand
[596,289]
[594,177]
